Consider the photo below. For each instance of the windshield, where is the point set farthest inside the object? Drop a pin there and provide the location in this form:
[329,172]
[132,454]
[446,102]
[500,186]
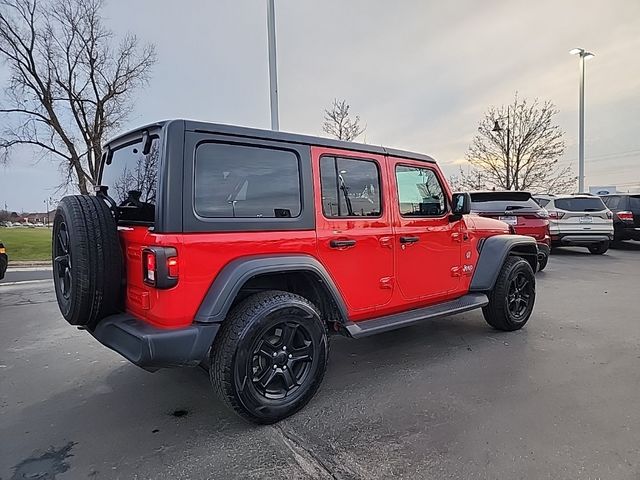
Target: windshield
[502,201]
[593,204]
[132,178]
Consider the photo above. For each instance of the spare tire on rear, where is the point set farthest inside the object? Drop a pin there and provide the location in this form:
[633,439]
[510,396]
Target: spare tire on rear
[87,260]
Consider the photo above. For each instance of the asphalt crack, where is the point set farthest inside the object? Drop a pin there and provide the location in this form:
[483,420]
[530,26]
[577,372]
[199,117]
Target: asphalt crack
[313,465]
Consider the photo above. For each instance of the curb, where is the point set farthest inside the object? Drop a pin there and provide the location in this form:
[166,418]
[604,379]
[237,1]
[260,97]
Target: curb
[19,264]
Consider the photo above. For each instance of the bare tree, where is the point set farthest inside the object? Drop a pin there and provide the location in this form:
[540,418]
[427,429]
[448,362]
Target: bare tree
[469,180]
[339,124]
[70,83]
[535,146]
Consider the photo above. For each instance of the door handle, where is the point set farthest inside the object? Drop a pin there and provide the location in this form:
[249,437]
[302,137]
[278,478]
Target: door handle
[405,240]
[342,243]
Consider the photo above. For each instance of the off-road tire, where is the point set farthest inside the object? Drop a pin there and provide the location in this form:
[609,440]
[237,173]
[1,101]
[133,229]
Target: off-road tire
[232,349]
[497,313]
[599,248]
[94,256]
[543,262]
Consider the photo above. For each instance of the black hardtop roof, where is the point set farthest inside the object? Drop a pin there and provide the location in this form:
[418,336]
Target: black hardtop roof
[256,133]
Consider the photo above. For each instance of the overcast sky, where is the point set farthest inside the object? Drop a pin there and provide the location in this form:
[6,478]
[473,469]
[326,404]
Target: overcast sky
[420,74]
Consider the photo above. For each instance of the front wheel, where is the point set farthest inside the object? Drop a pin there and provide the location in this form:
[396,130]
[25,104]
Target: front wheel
[513,296]
[270,356]
[599,248]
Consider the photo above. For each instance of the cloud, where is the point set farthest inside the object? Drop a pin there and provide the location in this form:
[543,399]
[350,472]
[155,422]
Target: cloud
[420,74]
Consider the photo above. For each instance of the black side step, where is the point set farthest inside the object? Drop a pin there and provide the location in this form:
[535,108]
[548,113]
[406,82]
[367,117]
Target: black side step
[404,319]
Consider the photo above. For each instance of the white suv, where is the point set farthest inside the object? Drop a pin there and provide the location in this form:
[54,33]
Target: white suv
[578,220]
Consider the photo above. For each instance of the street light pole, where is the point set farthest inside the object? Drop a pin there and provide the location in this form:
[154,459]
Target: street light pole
[273,64]
[498,128]
[583,54]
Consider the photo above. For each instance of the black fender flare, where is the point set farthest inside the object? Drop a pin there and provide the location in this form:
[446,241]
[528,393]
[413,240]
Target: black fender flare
[494,251]
[233,276]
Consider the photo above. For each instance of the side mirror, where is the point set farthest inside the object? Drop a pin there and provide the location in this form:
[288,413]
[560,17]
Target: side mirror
[460,205]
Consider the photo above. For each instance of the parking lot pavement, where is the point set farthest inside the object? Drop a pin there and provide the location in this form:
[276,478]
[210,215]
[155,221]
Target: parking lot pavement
[447,399]
[26,274]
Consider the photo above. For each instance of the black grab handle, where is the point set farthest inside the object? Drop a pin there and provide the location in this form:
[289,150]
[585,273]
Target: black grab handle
[341,243]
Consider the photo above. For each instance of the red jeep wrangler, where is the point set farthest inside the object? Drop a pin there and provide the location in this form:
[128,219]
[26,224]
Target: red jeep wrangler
[243,249]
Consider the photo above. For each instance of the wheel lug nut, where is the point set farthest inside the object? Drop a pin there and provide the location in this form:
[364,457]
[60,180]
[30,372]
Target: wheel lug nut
[275,354]
[284,367]
[284,348]
[275,366]
[290,356]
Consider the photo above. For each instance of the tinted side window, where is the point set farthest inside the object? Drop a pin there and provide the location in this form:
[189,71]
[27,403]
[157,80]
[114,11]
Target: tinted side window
[235,181]
[350,188]
[634,203]
[419,192]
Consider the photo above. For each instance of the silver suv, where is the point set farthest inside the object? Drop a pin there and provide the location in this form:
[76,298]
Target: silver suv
[578,220]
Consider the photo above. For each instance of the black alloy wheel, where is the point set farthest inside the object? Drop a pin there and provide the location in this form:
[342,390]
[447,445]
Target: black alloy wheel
[270,355]
[62,262]
[281,359]
[513,296]
[519,296]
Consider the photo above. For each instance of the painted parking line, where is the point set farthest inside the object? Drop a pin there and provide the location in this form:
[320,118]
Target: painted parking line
[30,269]
[25,282]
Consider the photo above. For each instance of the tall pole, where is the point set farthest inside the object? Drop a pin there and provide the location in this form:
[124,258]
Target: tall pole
[508,151]
[581,130]
[273,64]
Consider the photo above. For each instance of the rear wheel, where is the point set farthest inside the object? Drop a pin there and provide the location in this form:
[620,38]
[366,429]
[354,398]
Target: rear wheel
[513,296]
[87,260]
[599,248]
[270,356]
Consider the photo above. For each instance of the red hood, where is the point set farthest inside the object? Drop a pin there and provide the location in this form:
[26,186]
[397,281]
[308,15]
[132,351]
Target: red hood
[488,225]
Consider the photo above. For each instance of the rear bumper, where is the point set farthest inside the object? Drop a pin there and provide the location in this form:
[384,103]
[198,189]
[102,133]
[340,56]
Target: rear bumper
[628,233]
[151,347]
[581,238]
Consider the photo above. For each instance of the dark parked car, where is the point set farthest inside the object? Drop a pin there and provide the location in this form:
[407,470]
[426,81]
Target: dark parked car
[521,212]
[626,218]
[4,260]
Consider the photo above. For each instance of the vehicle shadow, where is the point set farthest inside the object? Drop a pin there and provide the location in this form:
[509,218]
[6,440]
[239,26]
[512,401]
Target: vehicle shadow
[569,251]
[179,401]
[628,245]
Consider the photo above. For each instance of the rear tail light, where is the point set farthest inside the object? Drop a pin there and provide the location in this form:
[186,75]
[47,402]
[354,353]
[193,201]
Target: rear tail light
[150,268]
[172,267]
[542,213]
[160,267]
[625,216]
[554,215]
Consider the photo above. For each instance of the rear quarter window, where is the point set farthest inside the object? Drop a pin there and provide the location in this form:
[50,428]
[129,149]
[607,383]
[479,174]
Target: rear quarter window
[237,181]
[594,204]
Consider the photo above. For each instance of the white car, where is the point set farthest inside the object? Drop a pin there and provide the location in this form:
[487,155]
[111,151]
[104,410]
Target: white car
[579,220]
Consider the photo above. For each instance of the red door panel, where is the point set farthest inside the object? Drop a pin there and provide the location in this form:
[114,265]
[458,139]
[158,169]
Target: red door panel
[427,243]
[357,247]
